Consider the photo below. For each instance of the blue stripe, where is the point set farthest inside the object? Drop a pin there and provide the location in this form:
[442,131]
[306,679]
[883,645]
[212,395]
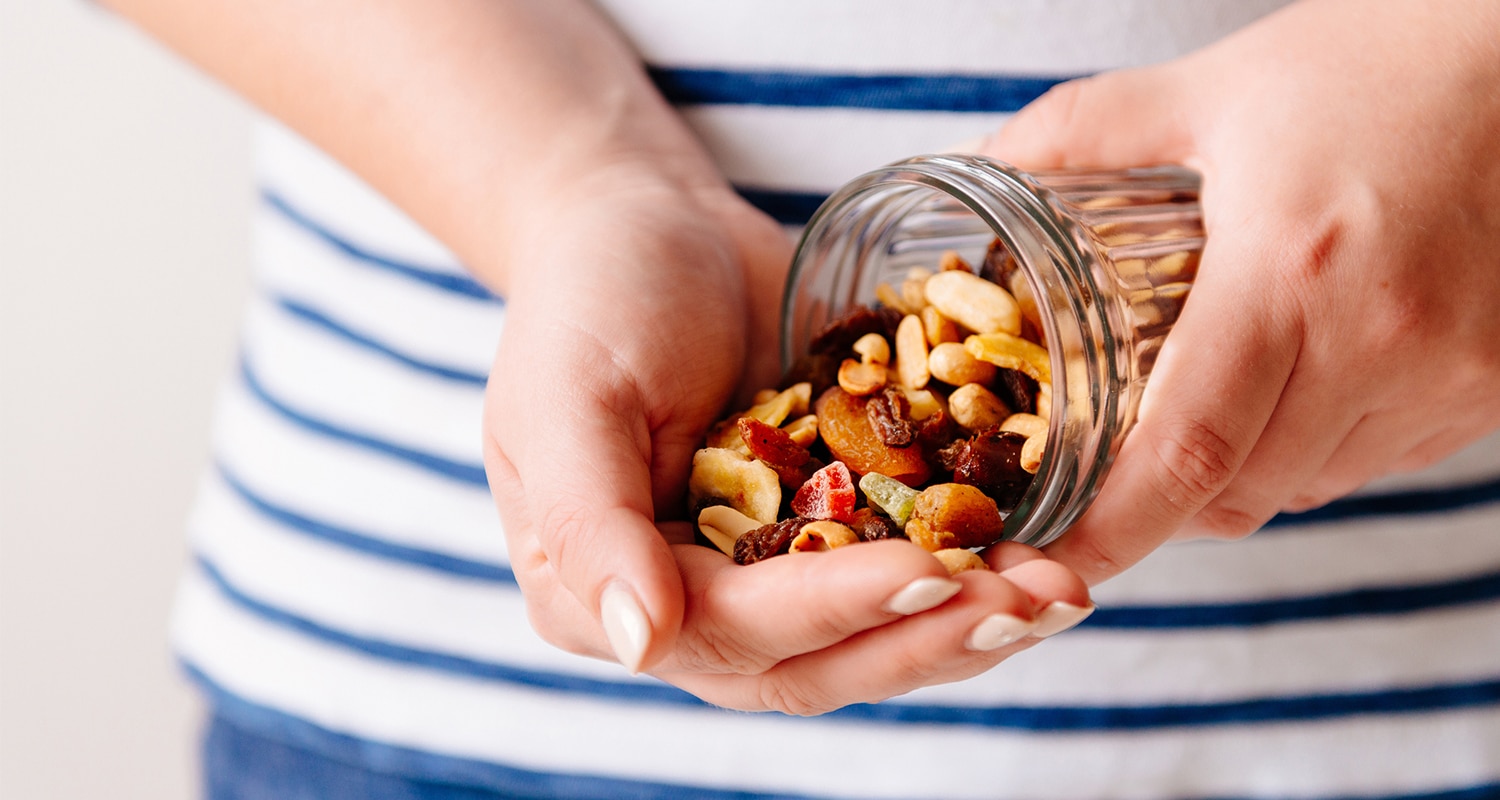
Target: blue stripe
[1355,603]
[1416,501]
[787,208]
[366,543]
[512,781]
[468,473]
[312,316]
[969,93]
[441,279]
[1031,718]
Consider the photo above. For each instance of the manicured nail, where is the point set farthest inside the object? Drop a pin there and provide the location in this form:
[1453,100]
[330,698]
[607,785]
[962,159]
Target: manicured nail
[996,631]
[1058,617]
[626,625]
[920,595]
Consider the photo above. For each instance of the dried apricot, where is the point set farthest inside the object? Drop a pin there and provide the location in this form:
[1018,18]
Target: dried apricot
[845,425]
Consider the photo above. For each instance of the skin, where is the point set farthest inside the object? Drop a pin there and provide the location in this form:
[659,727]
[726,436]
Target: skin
[1343,322]
[636,279]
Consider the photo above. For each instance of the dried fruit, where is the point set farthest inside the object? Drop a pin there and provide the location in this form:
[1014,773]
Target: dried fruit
[771,444]
[872,527]
[845,425]
[741,482]
[828,494]
[890,416]
[990,462]
[767,540]
[1017,389]
[838,337]
[954,515]
[1012,352]
[893,497]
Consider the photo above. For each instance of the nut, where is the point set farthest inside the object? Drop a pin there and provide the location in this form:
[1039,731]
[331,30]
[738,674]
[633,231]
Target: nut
[724,526]
[1044,400]
[873,349]
[951,362]
[790,402]
[803,430]
[1032,451]
[911,353]
[922,404]
[974,302]
[954,515]
[890,298]
[744,483]
[1020,288]
[861,379]
[1011,352]
[824,534]
[1027,425]
[957,559]
[951,260]
[976,408]
[938,328]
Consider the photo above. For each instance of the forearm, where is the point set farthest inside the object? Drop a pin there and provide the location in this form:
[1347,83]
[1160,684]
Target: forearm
[464,113]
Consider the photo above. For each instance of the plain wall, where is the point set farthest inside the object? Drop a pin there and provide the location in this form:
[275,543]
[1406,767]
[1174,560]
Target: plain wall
[125,192]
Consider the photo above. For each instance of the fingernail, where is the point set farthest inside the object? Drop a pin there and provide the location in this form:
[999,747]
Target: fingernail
[920,595]
[996,631]
[1058,617]
[626,625]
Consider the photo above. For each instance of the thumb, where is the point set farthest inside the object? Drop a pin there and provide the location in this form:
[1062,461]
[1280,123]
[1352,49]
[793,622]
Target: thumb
[1125,118]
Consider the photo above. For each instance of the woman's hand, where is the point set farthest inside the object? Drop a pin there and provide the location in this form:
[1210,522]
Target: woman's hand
[634,309]
[1344,321]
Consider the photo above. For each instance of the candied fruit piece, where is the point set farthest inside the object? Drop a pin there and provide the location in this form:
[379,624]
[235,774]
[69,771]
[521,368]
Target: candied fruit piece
[828,494]
[893,497]
[954,515]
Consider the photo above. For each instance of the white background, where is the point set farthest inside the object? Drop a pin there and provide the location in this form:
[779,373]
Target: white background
[125,192]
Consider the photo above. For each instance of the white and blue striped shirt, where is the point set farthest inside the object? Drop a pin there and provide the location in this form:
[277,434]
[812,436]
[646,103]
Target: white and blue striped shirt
[350,591]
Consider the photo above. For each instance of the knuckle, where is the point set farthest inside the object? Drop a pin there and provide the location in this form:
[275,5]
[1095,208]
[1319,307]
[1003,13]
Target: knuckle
[1197,463]
[1100,558]
[713,652]
[792,697]
[1225,521]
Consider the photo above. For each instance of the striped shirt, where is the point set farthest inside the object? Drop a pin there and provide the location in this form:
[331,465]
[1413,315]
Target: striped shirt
[350,592]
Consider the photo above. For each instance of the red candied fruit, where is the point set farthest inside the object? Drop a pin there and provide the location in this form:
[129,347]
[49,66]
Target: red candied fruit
[828,494]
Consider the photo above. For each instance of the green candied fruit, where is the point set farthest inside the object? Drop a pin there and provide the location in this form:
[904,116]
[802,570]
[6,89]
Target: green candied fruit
[893,497]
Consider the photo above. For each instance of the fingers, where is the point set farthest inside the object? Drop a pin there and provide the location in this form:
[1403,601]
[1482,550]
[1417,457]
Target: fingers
[991,618]
[745,619]
[1214,388]
[1115,119]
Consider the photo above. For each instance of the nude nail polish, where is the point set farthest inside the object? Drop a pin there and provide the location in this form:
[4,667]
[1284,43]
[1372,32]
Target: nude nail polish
[625,625]
[1058,617]
[996,631]
[921,595]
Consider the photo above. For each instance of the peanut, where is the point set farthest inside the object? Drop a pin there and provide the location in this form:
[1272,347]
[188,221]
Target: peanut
[974,302]
[911,353]
[724,526]
[824,534]
[951,362]
[938,328]
[957,559]
[976,408]
[1027,425]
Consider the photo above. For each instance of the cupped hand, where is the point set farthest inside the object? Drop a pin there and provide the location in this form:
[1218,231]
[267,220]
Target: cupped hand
[635,310]
[1343,324]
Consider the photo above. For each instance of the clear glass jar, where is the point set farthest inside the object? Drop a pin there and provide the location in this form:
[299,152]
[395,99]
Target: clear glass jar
[1109,258]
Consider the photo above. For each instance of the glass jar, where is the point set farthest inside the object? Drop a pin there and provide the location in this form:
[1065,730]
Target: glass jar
[1109,258]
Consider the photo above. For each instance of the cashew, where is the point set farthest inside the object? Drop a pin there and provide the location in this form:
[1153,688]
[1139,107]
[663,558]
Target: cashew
[957,559]
[823,534]
[745,483]
[724,526]
[1011,352]
[976,408]
[803,430]
[861,379]
[1031,452]
[950,362]
[873,349]
[973,302]
[911,353]
[938,328]
[1027,425]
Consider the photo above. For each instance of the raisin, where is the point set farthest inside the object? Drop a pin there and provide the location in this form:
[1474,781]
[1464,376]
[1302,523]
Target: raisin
[998,264]
[890,416]
[838,337]
[767,540]
[1017,389]
[990,462]
[871,527]
[771,444]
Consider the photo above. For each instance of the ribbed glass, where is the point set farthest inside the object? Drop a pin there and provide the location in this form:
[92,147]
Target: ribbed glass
[1109,256]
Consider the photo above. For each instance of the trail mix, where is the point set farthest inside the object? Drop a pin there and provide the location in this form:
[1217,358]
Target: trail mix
[922,418]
